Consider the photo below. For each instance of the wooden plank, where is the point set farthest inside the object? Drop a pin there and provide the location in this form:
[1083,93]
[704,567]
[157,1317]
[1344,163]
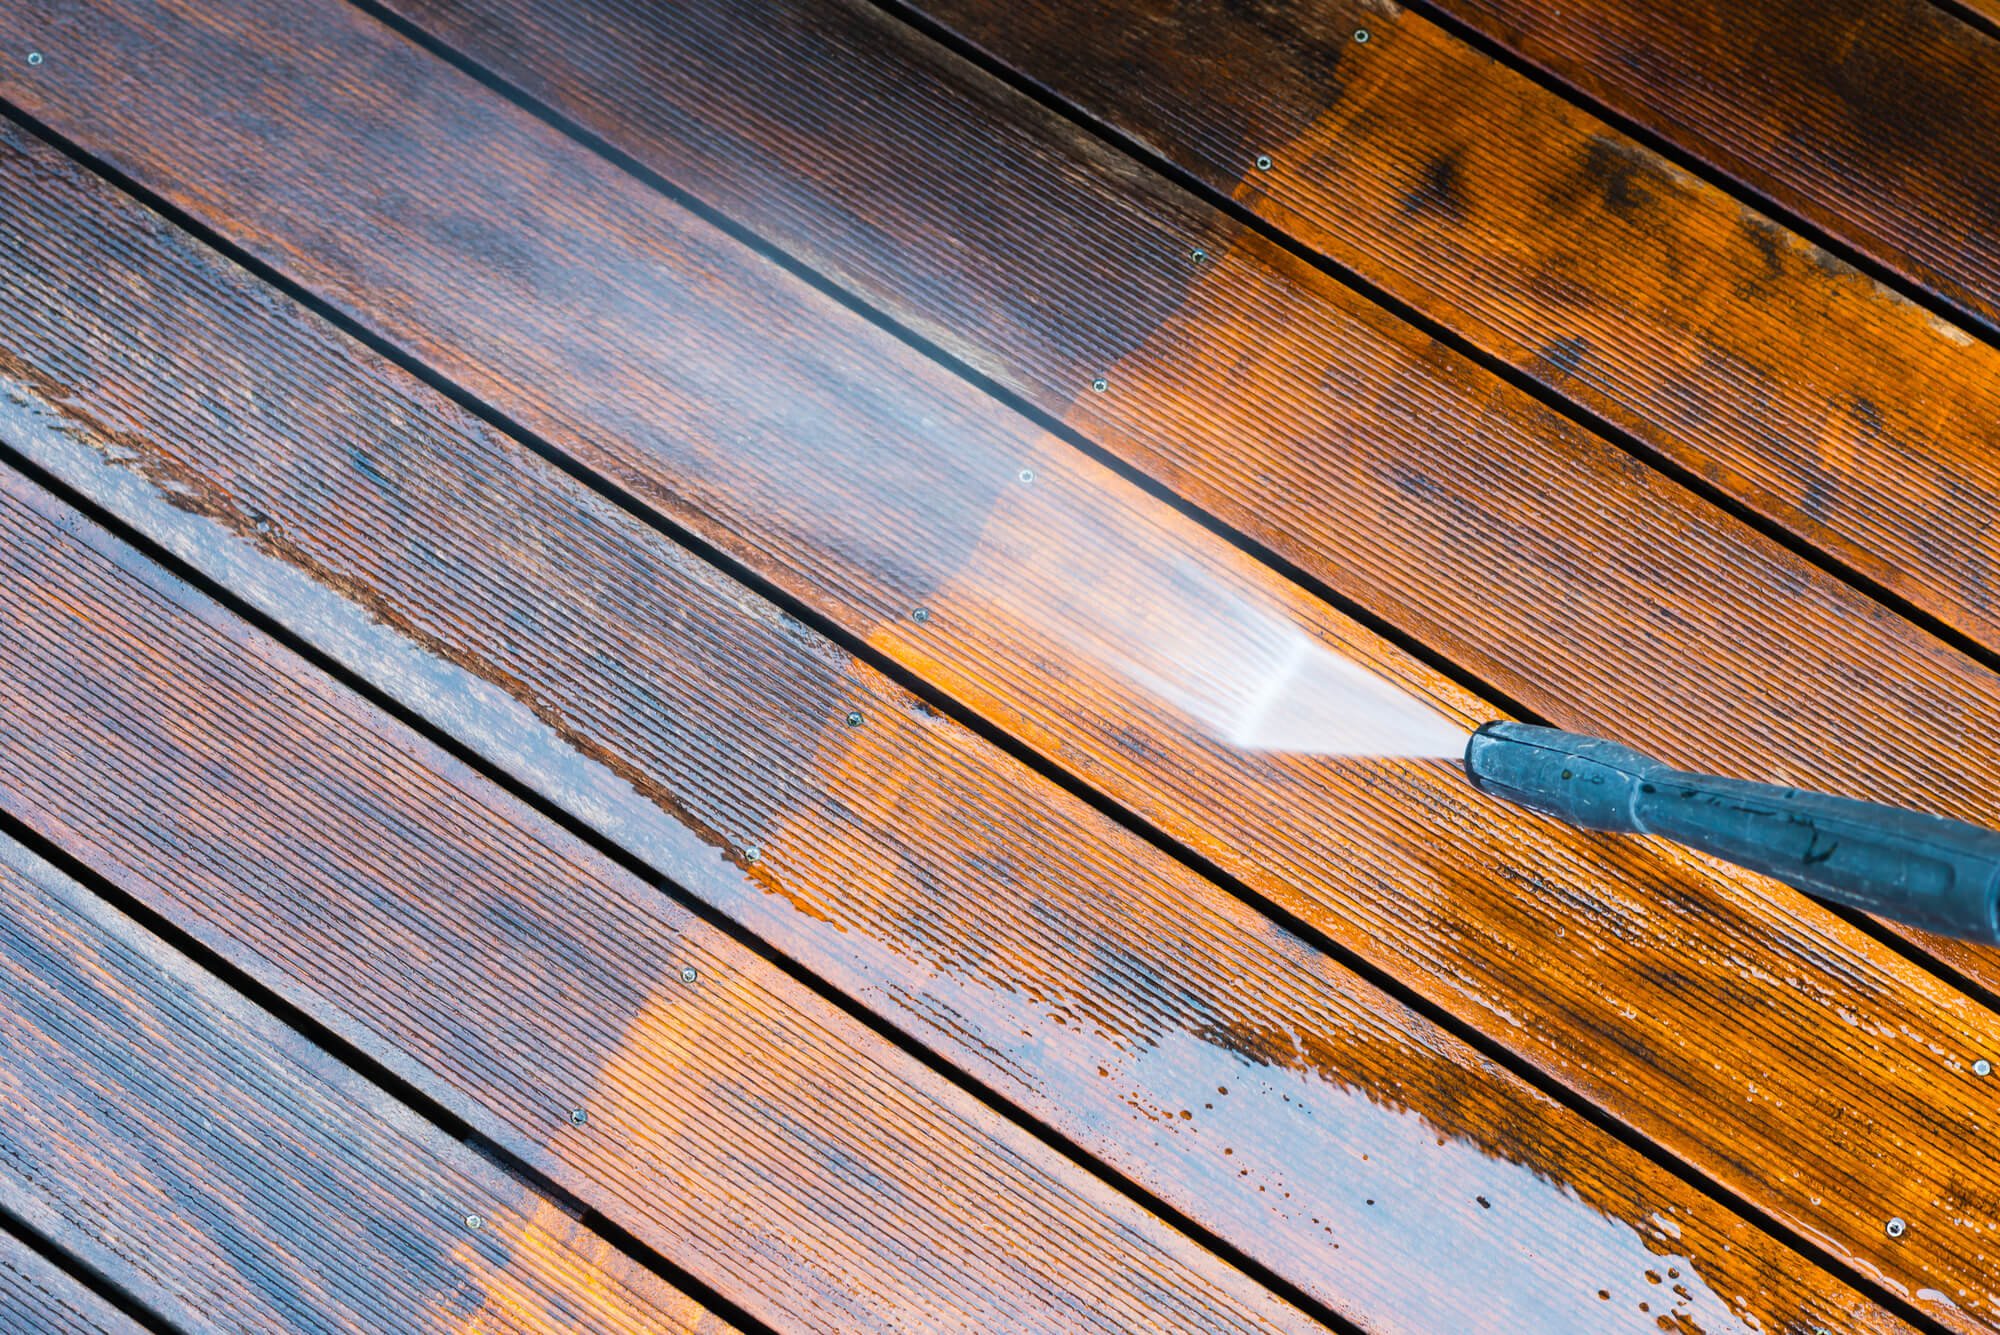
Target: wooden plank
[974,904]
[871,484]
[36,1296]
[1872,119]
[1823,401]
[756,1136]
[231,1177]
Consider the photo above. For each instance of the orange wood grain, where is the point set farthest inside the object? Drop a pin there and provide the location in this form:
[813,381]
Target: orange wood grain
[1815,396]
[737,1124]
[1873,119]
[232,1177]
[1142,1012]
[36,1296]
[869,483]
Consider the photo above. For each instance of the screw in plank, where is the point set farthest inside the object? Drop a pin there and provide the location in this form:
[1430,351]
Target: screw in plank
[1026,475]
[1263,162]
[688,975]
[920,615]
[1361,34]
[1895,1228]
[1198,255]
[753,853]
[854,718]
[577,1117]
[34,57]
[474,1221]
[1982,1067]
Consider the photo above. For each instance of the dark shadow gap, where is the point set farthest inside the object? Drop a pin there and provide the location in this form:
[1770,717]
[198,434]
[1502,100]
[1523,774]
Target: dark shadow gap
[1500,1055]
[1970,17]
[85,1274]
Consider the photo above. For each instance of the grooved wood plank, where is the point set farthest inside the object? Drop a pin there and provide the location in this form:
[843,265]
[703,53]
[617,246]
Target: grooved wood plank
[233,1177]
[1818,398]
[1137,1009]
[739,1125]
[36,1298]
[1872,119]
[1689,1001]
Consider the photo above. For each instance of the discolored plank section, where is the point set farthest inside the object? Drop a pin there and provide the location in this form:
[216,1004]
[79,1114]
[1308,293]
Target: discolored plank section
[1815,396]
[232,1177]
[1872,119]
[872,485]
[735,1123]
[1140,1011]
[35,1297]
[1601,595]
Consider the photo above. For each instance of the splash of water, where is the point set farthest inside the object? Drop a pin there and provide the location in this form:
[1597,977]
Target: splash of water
[1238,666]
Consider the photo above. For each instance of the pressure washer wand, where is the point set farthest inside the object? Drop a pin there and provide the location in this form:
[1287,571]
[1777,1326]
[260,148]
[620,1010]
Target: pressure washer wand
[1938,874]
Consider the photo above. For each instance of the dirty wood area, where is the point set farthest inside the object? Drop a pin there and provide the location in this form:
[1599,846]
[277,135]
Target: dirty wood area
[554,702]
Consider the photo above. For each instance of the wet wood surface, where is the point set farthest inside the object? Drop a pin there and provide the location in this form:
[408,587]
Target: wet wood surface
[735,1123]
[227,1175]
[1142,1012]
[1872,119]
[37,1296]
[869,482]
[1541,558]
[1829,405]
[1793,1059]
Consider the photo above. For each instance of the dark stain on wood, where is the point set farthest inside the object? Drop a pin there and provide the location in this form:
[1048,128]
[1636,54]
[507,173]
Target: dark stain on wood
[1441,190]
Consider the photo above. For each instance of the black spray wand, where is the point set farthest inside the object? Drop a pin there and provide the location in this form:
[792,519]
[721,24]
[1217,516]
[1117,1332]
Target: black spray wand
[1927,871]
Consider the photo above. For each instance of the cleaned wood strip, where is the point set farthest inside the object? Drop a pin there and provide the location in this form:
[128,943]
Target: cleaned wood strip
[36,1296]
[232,1177]
[1828,404]
[1139,1010]
[1872,119]
[856,473]
[734,1122]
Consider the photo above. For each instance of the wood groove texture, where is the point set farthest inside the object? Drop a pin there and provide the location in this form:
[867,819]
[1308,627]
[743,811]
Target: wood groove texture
[735,1123]
[1690,1003]
[1538,557]
[1140,1011]
[1848,415]
[36,1297]
[1873,119]
[231,1177]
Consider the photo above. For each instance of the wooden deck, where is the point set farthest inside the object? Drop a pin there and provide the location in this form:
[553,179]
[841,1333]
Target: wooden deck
[543,785]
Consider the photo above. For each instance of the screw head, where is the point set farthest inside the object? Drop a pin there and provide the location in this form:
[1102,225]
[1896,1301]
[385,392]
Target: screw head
[1198,255]
[854,718]
[578,1117]
[34,57]
[1982,1067]
[753,853]
[920,615]
[1100,384]
[1027,475]
[1895,1228]
[688,975]
[474,1221]
[1361,34]
[1263,162]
